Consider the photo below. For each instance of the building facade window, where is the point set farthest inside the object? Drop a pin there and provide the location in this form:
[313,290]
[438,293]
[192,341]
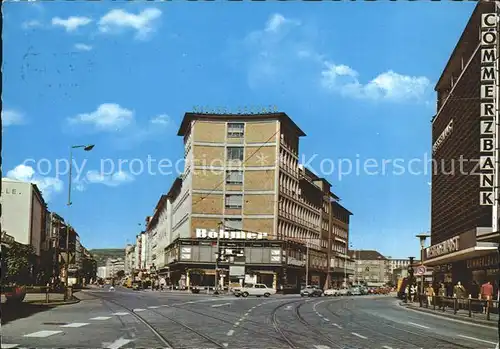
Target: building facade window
[235,129]
[235,153]
[234,177]
[234,200]
[233,224]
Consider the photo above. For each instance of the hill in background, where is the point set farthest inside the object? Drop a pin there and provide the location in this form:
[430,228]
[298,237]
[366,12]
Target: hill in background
[102,254]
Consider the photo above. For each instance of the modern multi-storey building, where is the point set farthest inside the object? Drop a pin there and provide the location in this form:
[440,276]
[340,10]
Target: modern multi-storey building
[24,213]
[242,180]
[464,235]
[129,259]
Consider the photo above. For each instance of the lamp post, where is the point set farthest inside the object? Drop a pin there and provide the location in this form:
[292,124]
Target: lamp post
[85,148]
[422,238]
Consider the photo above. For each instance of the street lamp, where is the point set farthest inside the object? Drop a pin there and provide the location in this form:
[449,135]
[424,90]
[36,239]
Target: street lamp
[422,238]
[85,148]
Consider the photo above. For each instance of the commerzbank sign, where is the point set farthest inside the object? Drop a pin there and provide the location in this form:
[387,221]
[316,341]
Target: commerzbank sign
[445,247]
[223,234]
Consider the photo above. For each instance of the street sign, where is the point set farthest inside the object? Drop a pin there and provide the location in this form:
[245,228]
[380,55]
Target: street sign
[421,270]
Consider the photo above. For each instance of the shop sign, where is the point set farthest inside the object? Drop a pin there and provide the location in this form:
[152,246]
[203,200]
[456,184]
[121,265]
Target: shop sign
[296,262]
[222,234]
[482,262]
[443,136]
[445,247]
[488,112]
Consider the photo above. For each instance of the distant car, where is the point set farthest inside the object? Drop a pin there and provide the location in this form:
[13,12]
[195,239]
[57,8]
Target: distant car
[330,292]
[311,291]
[363,290]
[257,290]
[355,291]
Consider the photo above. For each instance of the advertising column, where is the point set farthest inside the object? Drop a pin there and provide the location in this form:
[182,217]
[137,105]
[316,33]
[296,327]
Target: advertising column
[489,116]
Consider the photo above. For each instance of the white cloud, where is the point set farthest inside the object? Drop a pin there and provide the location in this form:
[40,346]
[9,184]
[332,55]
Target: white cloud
[117,20]
[112,180]
[47,185]
[71,23]
[11,117]
[162,120]
[388,86]
[31,24]
[284,48]
[107,117]
[83,47]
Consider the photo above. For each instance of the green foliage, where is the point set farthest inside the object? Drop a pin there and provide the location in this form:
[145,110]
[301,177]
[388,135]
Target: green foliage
[101,255]
[18,261]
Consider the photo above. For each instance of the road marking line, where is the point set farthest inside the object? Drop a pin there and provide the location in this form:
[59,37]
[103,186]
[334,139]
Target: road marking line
[120,314]
[248,312]
[237,323]
[119,343]
[42,334]
[338,326]
[76,324]
[387,347]
[477,339]
[230,333]
[154,307]
[101,318]
[9,346]
[220,305]
[414,324]
[322,347]
[327,320]
[225,344]
[138,309]
[358,335]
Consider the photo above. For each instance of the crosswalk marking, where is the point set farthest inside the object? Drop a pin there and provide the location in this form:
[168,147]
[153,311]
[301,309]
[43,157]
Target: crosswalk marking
[154,307]
[358,335]
[138,309]
[101,318]
[386,347]
[9,346]
[42,334]
[322,347]
[120,342]
[337,325]
[120,314]
[76,324]
[414,324]
[476,339]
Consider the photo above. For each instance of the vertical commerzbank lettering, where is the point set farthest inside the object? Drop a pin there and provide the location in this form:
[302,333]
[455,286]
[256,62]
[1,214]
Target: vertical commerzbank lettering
[488,112]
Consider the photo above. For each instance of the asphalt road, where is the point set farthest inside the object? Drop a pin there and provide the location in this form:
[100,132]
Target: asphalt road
[145,319]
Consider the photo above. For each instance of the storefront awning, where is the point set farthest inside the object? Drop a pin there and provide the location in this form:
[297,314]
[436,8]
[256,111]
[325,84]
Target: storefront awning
[481,249]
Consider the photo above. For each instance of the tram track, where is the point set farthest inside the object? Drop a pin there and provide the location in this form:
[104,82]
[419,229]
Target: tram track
[366,325]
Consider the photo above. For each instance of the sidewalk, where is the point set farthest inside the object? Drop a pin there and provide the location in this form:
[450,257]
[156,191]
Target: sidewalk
[460,315]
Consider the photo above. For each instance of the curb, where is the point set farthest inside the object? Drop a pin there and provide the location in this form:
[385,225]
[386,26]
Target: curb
[56,304]
[489,323]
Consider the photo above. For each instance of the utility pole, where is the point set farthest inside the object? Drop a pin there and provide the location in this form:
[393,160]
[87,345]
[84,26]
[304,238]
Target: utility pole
[216,286]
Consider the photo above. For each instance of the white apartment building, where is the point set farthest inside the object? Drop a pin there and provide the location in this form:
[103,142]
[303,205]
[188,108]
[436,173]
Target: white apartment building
[23,213]
[102,272]
[113,266]
[129,259]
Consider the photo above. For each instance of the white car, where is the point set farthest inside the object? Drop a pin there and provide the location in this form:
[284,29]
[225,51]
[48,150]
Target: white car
[257,290]
[330,292]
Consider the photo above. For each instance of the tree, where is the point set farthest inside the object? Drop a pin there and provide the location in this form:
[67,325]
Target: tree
[120,274]
[18,261]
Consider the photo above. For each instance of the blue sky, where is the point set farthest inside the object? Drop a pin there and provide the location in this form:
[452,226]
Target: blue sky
[358,78]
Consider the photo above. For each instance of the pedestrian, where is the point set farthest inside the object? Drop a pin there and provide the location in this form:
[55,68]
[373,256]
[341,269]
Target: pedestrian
[430,294]
[413,291]
[442,296]
[162,283]
[486,294]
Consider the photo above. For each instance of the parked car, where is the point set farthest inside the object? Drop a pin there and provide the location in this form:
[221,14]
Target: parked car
[363,290]
[330,292]
[354,291]
[257,290]
[311,291]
